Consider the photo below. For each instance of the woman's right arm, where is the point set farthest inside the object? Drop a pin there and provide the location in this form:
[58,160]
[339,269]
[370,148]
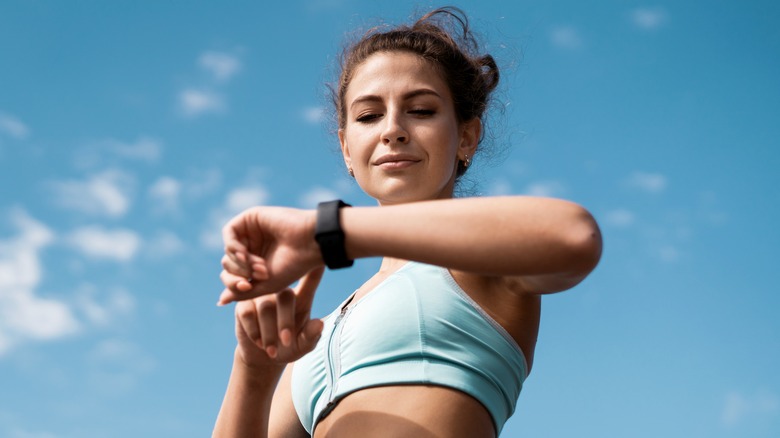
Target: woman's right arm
[247,404]
[272,331]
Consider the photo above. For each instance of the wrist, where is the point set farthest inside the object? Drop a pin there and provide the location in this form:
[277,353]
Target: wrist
[329,235]
[256,374]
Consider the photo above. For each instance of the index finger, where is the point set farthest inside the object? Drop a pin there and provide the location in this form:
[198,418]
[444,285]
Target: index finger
[230,236]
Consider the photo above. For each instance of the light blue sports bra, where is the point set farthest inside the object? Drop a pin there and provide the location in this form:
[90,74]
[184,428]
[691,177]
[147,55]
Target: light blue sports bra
[416,327]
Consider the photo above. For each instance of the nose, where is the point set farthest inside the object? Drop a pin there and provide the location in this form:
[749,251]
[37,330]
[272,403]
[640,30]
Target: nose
[394,131]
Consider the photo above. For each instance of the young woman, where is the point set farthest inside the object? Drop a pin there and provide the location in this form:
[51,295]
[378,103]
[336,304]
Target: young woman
[439,341]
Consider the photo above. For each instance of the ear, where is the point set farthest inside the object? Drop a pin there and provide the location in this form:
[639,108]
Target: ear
[344,148]
[469,138]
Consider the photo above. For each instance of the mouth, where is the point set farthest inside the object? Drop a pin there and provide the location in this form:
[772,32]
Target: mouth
[396,161]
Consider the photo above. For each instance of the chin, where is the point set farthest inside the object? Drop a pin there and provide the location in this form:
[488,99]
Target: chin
[406,197]
[400,191]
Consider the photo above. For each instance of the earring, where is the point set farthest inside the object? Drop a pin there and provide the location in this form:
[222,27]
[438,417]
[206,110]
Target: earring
[466,161]
[351,172]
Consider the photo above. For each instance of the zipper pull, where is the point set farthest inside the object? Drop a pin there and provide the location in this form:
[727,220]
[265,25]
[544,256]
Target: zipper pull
[341,315]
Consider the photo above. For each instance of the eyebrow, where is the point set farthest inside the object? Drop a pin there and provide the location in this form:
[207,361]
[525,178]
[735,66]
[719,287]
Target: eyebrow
[407,96]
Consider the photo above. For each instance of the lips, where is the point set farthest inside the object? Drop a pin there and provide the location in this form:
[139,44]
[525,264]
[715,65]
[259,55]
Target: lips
[396,159]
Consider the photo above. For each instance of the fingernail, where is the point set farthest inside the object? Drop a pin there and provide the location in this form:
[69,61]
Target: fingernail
[271,351]
[286,337]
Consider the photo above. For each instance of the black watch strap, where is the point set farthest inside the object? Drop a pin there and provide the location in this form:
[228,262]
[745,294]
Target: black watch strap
[330,236]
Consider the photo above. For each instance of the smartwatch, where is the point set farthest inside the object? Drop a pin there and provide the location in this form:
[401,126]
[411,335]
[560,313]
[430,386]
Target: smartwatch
[330,236]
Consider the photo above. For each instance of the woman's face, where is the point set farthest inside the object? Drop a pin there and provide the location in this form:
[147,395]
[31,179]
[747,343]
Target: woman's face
[401,137]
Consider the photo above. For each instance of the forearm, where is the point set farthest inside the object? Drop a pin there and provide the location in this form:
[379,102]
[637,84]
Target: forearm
[490,236]
[247,403]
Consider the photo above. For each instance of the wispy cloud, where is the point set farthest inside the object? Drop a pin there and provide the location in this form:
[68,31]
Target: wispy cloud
[566,37]
[619,218]
[500,187]
[739,407]
[23,314]
[113,307]
[202,182]
[114,152]
[165,192]
[164,244]
[194,102]
[106,193]
[649,18]
[223,66]
[545,189]
[313,114]
[145,148]
[315,195]
[98,243]
[116,366]
[648,182]
[668,253]
[13,127]
[236,201]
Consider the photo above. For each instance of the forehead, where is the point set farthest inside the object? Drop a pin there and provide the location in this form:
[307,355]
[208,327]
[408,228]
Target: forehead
[386,73]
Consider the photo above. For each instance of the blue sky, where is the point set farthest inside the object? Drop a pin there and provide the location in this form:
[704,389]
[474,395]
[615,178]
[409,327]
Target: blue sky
[129,131]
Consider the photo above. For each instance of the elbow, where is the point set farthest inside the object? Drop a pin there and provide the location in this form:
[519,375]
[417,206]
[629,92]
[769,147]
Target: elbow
[584,243]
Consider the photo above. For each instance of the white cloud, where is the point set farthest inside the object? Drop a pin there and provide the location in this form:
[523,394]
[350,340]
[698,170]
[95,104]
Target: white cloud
[648,18]
[244,197]
[36,317]
[98,153]
[500,187]
[145,148]
[22,433]
[13,127]
[222,65]
[648,182]
[106,193]
[565,37]
[668,253]
[117,305]
[164,244]
[95,242]
[545,189]
[166,192]
[236,201]
[202,183]
[194,102]
[619,218]
[24,315]
[316,195]
[116,366]
[314,114]
[738,407]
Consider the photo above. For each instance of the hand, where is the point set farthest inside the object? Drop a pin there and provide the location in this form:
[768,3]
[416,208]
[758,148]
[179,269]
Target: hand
[266,250]
[276,328]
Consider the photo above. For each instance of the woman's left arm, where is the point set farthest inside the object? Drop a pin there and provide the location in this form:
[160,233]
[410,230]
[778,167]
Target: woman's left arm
[548,245]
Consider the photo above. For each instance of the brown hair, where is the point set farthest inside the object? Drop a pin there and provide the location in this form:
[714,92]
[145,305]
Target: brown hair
[443,38]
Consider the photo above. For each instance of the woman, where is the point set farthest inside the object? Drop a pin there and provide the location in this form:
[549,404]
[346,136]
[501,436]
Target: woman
[439,341]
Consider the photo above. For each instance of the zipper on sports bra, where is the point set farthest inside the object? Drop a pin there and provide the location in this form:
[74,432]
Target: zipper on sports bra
[334,352]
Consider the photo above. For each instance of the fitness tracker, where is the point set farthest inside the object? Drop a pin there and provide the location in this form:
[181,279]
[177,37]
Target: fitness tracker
[330,236]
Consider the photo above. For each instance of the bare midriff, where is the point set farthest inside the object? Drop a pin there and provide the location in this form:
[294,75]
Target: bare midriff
[422,411]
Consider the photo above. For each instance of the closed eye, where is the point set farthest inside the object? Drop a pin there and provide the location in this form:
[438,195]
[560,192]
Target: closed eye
[367,118]
[422,112]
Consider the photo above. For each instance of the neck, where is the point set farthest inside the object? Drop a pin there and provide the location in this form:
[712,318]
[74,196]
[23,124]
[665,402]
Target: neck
[390,264]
